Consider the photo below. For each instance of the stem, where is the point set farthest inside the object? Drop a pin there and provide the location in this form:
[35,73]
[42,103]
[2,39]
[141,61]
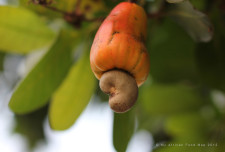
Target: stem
[77,6]
[132,1]
[55,9]
[100,19]
[74,17]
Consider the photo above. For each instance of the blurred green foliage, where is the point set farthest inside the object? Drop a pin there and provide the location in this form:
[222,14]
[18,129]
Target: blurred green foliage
[1,60]
[70,100]
[123,123]
[161,99]
[187,55]
[27,28]
[31,126]
[36,88]
[169,45]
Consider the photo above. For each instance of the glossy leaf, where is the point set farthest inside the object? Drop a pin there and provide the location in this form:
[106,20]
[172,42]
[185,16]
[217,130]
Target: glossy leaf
[197,24]
[123,129]
[37,87]
[72,96]
[174,1]
[161,99]
[22,31]
[172,53]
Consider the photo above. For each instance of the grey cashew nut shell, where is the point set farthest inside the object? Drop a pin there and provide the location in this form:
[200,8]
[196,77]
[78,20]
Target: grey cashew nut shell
[122,89]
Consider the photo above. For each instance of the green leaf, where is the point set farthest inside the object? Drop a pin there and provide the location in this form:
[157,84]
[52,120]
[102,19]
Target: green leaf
[37,87]
[159,99]
[72,96]
[197,24]
[172,53]
[174,1]
[123,129]
[22,31]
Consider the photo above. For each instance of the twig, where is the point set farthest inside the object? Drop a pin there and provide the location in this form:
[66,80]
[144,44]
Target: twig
[75,18]
[55,9]
[77,6]
[99,19]
[132,1]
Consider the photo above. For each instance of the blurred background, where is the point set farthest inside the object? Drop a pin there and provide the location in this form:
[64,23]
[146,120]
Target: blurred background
[50,99]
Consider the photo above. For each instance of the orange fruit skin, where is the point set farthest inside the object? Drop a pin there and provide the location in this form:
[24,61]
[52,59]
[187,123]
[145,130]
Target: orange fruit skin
[119,43]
